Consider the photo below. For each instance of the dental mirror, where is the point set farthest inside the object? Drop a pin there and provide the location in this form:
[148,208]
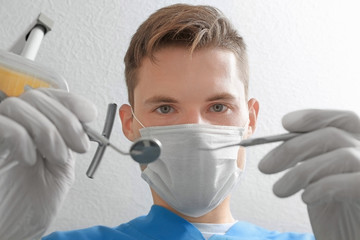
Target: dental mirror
[145,151]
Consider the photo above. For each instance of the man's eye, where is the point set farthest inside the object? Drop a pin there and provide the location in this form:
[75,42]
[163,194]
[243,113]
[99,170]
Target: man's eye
[218,108]
[164,109]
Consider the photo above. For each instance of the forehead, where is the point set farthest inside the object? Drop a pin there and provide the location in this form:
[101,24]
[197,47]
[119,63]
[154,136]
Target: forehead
[189,76]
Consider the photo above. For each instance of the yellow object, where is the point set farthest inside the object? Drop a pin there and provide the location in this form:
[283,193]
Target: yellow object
[12,83]
[17,72]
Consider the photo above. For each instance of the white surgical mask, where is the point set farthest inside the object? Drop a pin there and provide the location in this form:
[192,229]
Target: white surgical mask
[190,179]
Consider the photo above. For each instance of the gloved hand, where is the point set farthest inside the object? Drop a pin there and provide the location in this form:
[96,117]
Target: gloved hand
[38,130]
[325,162]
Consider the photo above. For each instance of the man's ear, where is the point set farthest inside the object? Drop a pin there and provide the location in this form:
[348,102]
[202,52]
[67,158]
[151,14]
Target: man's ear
[127,121]
[253,106]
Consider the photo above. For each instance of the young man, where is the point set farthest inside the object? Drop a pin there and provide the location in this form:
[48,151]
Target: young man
[187,78]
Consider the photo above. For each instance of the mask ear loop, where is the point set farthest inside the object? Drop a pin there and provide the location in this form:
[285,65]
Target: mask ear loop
[247,123]
[245,127]
[132,112]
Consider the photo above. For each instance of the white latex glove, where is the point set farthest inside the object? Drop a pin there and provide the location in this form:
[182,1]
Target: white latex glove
[38,130]
[325,162]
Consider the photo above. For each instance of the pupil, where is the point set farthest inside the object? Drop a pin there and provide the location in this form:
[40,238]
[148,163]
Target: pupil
[218,107]
[165,109]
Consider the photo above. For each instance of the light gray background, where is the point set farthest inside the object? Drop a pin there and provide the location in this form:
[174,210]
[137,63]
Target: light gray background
[303,54]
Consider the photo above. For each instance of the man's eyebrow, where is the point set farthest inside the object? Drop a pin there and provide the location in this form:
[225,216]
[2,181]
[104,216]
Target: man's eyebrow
[160,99]
[221,96]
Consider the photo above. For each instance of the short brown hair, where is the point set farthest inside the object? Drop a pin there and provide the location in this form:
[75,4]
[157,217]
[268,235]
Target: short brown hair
[194,27]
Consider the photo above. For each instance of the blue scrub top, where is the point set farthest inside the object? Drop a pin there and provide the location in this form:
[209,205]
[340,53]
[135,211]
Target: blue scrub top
[162,224]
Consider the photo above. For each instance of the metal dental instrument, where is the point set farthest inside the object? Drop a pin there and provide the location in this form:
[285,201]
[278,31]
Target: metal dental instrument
[143,151]
[267,139]
[261,140]
[101,139]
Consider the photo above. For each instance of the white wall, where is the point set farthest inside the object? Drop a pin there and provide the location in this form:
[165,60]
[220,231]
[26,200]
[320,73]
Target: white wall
[303,54]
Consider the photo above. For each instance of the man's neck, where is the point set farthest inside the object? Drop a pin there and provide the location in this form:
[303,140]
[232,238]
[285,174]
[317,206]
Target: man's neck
[221,214]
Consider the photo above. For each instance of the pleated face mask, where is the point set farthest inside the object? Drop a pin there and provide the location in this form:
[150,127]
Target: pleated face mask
[188,176]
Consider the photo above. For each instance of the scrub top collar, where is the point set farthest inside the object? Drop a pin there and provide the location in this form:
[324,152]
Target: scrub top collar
[174,226]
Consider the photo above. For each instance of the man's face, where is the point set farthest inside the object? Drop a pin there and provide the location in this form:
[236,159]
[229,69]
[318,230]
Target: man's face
[179,88]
